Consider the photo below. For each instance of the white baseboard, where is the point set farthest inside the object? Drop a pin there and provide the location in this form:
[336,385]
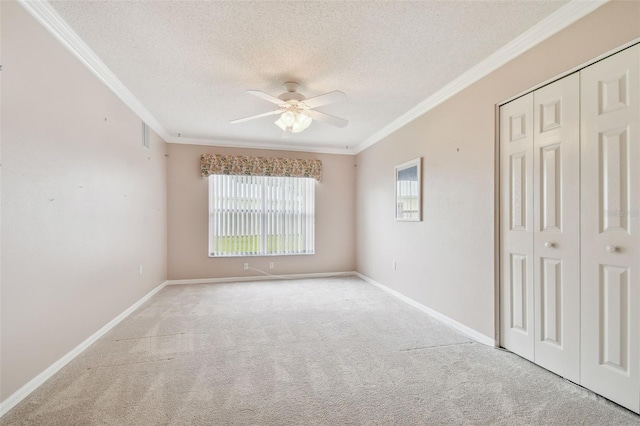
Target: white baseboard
[470,332]
[34,383]
[260,278]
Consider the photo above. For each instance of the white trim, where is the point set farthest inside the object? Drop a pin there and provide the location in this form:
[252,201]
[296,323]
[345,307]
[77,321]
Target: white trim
[575,69]
[44,13]
[560,19]
[497,236]
[496,227]
[301,147]
[557,21]
[34,383]
[475,335]
[52,21]
[260,278]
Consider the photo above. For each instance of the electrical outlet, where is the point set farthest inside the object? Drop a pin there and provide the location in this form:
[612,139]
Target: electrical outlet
[394,265]
[246,266]
[140,269]
[271,265]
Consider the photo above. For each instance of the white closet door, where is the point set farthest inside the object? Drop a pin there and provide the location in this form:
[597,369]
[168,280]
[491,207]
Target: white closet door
[516,233]
[556,225]
[610,148]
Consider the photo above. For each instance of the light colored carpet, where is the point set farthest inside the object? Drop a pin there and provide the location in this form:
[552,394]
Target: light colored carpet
[317,351]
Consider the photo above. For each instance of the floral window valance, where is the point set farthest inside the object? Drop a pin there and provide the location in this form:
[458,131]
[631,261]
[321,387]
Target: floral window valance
[214,164]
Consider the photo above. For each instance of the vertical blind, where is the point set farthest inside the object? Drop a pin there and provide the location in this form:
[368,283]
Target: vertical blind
[261,215]
[407,199]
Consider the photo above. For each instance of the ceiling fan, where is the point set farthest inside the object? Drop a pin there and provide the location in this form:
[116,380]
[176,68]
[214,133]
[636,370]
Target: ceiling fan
[297,112]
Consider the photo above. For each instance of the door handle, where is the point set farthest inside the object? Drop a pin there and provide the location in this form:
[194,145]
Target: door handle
[548,244]
[610,249]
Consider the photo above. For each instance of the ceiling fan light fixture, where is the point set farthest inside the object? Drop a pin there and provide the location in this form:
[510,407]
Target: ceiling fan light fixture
[296,112]
[288,118]
[294,121]
[280,124]
[303,120]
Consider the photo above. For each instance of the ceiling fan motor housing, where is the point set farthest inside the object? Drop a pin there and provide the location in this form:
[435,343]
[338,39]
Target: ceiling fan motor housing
[291,94]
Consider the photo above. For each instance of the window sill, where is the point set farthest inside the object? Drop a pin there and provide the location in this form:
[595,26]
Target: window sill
[213,256]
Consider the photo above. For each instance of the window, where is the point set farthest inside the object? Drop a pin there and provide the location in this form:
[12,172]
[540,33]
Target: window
[261,215]
[408,191]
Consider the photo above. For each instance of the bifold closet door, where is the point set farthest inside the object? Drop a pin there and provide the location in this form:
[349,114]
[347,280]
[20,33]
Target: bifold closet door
[516,226]
[540,234]
[610,92]
[556,226]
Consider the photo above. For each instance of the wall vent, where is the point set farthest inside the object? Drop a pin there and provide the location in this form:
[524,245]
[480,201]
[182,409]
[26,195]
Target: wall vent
[145,136]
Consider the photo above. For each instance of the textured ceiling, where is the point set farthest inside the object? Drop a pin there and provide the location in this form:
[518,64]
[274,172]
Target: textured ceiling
[190,63]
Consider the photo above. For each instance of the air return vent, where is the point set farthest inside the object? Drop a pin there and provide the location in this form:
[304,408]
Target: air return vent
[145,136]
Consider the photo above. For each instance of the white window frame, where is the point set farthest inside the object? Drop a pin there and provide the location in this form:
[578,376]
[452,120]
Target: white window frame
[261,216]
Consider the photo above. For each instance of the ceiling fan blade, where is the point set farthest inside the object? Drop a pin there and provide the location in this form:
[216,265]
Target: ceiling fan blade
[264,114]
[266,96]
[327,98]
[326,118]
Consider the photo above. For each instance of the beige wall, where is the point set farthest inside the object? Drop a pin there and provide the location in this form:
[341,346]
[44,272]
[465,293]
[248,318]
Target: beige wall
[83,204]
[446,262]
[188,218]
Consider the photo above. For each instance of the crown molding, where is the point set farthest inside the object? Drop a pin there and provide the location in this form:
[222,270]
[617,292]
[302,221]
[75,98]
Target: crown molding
[44,13]
[301,147]
[552,24]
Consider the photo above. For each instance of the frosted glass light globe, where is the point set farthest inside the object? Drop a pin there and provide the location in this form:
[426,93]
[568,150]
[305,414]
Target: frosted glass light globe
[288,118]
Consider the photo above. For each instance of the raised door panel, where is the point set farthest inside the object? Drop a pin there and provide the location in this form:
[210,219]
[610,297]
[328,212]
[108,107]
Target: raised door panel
[516,229]
[556,226]
[610,188]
